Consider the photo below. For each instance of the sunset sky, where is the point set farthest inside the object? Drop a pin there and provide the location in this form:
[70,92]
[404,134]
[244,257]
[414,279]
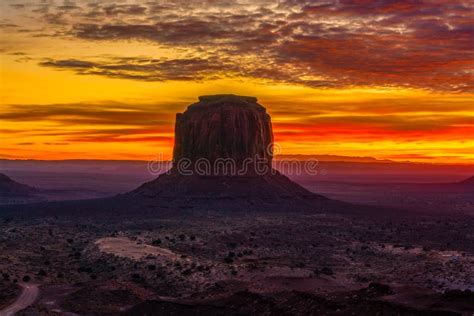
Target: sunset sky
[104,79]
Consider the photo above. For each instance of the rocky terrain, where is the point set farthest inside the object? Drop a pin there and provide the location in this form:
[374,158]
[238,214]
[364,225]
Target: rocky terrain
[240,261]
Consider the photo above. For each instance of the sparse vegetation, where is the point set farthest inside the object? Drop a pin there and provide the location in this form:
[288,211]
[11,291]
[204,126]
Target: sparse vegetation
[327,250]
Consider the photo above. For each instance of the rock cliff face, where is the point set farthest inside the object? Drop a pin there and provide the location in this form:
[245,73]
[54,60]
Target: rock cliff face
[224,126]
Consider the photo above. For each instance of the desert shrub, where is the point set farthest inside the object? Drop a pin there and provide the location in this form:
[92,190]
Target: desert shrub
[136,277]
[84,269]
[232,245]
[186,272]
[327,271]
[453,295]
[362,279]
[379,288]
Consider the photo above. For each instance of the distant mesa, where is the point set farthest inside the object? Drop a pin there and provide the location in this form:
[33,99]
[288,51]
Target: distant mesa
[467,182]
[213,132]
[334,158]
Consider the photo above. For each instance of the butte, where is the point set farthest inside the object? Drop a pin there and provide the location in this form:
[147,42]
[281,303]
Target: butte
[222,160]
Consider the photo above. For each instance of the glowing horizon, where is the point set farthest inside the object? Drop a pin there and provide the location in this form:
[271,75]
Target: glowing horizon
[89,80]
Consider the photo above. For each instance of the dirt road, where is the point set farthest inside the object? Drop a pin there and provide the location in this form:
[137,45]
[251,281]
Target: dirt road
[27,297]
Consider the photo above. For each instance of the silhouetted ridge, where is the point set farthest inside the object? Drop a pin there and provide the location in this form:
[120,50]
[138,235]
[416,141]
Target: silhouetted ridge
[469,181]
[10,188]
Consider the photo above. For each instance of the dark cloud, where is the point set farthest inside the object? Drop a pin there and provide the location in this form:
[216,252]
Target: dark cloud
[56,144]
[107,138]
[17,54]
[18,6]
[110,114]
[236,31]
[6,25]
[186,69]
[145,69]
[68,7]
[55,18]
[116,9]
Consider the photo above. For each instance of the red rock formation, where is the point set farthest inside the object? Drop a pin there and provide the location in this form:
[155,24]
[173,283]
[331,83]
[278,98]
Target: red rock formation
[224,126]
[228,127]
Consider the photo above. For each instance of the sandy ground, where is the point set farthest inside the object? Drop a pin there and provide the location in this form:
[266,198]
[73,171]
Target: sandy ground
[125,247]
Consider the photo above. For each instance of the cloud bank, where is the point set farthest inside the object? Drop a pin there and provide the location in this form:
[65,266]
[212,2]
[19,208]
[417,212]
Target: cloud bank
[416,44]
